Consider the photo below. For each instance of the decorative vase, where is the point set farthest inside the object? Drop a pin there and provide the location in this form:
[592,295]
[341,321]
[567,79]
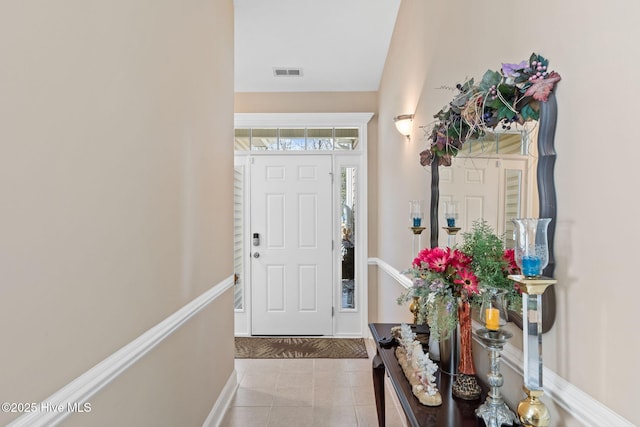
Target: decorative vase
[466,384]
[434,349]
[449,357]
[532,247]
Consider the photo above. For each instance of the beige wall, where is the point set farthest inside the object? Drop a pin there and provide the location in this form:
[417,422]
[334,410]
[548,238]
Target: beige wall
[115,120]
[594,343]
[305,102]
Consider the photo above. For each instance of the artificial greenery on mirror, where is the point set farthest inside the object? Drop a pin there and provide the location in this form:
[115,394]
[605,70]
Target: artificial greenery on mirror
[511,95]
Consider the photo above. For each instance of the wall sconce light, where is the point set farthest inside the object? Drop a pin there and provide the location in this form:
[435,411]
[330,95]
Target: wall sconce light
[404,122]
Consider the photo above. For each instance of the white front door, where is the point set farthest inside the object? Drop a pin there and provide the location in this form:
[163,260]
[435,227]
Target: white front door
[291,265]
[472,184]
[492,189]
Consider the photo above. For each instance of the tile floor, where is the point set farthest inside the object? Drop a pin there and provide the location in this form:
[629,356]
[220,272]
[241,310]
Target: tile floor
[307,392]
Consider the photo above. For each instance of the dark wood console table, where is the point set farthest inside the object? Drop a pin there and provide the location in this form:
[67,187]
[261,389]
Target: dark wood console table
[453,412]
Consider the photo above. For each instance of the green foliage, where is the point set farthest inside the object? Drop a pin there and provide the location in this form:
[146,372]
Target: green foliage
[486,249]
[442,315]
[490,78]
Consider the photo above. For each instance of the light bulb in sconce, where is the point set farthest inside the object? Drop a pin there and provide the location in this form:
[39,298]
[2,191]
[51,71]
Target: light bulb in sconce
[404,123]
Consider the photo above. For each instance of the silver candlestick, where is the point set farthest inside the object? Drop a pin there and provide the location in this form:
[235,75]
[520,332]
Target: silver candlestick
[494,411]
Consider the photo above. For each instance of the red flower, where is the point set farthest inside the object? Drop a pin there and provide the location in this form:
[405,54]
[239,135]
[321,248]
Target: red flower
[468,280]
[438,259]
[421,258]
[460,260]
[510,257]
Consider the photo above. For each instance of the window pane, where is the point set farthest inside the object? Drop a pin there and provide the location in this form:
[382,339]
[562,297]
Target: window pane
[346,139]
[320,139]
[264,139]
[242,139]
[238,237]
[347,226]
[483,145]
[513,191]
[292,139]
[510,143]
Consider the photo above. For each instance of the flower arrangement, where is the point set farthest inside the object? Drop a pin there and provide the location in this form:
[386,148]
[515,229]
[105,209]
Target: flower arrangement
[491,262]
[442,276]
[501,98]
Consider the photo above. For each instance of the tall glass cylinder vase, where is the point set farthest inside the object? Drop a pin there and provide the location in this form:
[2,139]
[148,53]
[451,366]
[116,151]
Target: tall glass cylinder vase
[532,247]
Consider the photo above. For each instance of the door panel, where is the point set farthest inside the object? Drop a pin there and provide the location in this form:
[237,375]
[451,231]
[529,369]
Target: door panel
[471,184]
[292,274]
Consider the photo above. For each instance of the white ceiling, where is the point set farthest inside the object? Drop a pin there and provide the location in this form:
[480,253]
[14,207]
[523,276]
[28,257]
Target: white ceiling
[341,45]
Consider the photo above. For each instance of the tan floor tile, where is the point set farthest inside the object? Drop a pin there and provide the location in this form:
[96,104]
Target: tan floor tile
[360,365]
[331,379]
[367,416]
[362,379]
[297,365]
[293,396]
[290,416]
[331,365]
[334,416]
[332,396]
[292,379]
[306,392]
[242,416]
[363,396]
[259,365]
[260,380]
[253,397]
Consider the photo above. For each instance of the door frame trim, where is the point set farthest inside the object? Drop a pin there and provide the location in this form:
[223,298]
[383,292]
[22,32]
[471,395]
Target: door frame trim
[357,120]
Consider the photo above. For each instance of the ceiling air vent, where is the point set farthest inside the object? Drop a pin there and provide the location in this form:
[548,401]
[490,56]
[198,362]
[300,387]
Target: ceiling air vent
[281,72]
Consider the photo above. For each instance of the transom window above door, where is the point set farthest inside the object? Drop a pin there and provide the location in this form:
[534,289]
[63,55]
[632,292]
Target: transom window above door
[296,139]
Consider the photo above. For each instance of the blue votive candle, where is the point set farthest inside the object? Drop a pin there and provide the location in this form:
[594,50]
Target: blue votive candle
[451,222]
[531,266]
[417,221]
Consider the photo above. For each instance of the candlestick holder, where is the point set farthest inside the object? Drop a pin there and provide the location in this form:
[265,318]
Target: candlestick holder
[451,235]
[494,411]
[414,308]
[416,243]
[531,411]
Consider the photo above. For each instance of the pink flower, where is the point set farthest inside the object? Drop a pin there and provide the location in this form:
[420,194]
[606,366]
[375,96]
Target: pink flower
[421,258]
[510,257]
[438,259]
[468,280]
[460,260]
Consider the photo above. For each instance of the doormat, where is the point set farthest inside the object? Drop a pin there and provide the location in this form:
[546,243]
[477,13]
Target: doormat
[300,348]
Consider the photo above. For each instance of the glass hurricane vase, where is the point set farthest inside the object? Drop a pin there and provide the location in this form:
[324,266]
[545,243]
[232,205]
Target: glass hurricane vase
[493,311]
[532,247]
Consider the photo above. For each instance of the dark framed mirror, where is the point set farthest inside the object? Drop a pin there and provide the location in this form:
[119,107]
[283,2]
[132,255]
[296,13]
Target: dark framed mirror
[547,207]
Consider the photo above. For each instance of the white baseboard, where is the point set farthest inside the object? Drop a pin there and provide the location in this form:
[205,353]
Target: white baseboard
[224,401]
[570,398]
